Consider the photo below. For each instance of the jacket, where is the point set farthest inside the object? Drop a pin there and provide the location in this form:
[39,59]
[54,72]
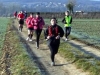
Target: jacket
[55,31]
[29,22]
[38,23]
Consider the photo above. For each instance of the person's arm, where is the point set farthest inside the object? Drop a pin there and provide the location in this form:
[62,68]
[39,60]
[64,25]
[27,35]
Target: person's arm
[71,20]
[46,33]
[18,16]
[32,21]
[27,22]
[23,16]
[43,23]
[64,21]
[61,32]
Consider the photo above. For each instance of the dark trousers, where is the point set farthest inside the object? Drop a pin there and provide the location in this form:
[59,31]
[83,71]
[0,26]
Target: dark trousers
[67,31]
[53,45]
[38,33]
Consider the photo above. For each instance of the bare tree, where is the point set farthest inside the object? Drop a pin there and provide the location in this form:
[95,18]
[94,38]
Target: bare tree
[70,5]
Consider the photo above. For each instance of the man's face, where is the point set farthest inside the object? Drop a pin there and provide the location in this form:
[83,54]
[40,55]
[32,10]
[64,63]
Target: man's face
[66,13]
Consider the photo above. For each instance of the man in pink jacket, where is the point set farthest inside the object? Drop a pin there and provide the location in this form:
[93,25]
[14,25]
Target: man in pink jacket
[38,26]
[30,27]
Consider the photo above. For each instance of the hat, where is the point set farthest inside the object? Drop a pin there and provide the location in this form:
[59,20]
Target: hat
[38,13]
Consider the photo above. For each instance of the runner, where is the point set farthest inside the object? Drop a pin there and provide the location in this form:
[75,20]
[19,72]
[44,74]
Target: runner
[67,20]
[53,34]
[15,14]
[21,20]
[25,15]
[30,27]
[38,25]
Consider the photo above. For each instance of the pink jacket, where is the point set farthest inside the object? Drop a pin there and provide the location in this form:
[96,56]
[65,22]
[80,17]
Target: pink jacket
[38,23]
[29,22]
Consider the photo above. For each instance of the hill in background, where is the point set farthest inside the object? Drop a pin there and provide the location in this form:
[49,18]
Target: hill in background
[54,5]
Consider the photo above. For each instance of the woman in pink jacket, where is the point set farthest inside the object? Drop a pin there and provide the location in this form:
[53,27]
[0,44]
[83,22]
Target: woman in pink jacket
[30,27]
[38,25]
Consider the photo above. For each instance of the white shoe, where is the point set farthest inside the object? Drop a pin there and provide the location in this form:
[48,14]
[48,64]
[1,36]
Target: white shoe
[27,39]
[52,63]
[46,39]
[30,40]
[37,47]
[66,39]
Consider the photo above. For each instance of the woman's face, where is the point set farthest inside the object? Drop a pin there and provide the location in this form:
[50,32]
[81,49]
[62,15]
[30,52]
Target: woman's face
[31,15]
[66,13]
[53,21]
[37,15]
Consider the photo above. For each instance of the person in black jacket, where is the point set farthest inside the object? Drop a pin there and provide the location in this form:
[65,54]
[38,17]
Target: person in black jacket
[52,35]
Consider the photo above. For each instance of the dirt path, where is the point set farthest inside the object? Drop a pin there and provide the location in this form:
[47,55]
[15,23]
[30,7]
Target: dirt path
[42,58]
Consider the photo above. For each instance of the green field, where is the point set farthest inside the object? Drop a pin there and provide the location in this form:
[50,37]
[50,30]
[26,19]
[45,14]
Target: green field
[87,30]
[3,27]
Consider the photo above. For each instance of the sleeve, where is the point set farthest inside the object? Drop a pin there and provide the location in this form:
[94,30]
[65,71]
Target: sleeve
[26,21]
[46,33]
[32,21]
[18,16]
[64,21]
[61,31]
[42,21]
[71,20]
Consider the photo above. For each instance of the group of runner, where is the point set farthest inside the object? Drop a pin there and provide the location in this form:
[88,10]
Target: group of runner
[21,16]
[52,33]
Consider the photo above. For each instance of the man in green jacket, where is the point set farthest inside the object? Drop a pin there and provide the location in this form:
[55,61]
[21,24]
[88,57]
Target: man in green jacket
[67,20]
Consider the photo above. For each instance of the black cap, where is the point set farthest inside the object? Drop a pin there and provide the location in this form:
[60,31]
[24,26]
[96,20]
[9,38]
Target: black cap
[38,13]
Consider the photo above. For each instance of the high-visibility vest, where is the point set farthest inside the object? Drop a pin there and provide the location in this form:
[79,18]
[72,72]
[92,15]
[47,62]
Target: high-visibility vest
[67,19]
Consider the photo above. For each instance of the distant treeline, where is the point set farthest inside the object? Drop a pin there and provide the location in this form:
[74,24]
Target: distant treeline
[87,15]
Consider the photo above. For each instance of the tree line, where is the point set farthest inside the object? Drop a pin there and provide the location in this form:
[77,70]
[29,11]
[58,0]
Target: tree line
[8,10]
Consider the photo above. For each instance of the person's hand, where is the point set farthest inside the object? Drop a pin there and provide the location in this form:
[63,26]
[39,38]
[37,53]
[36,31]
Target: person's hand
[58,37]
[48,37]
[35,23]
